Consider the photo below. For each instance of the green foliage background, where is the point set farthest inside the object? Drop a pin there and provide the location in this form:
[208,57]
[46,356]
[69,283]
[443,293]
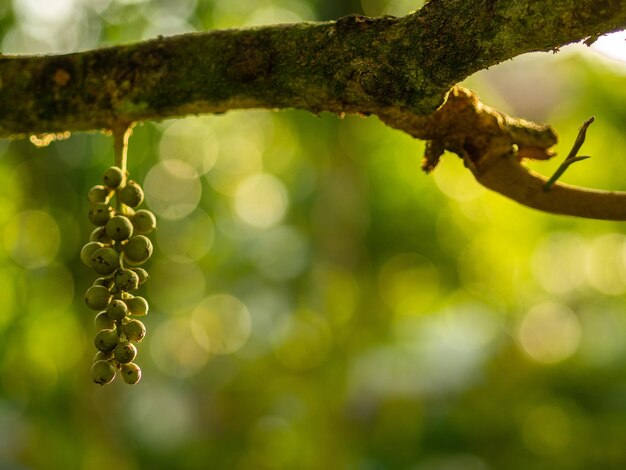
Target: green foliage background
[316,301]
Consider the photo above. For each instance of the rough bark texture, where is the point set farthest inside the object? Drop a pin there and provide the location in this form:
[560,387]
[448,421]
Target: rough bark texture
[354,64]
[401,69]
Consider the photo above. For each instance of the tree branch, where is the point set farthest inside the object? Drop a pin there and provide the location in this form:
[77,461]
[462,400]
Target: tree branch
[400,69]
[354,64]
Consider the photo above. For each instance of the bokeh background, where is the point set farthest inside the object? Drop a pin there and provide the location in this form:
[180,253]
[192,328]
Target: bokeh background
[316,301]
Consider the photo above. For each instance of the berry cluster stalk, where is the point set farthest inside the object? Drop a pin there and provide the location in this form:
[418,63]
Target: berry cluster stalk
[120,149]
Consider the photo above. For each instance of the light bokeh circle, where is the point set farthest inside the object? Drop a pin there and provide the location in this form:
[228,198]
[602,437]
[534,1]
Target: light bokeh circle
[172,189]
[32,238]
[221,324]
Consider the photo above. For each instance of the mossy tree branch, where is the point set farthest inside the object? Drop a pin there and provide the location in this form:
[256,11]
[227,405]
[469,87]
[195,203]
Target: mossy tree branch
[400,69]
[354,64]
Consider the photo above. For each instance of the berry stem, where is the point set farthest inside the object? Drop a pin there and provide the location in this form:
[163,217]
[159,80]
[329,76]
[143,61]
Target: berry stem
[120,148]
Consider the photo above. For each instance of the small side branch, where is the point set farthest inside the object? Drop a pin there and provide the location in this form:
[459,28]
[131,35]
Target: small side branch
[493,145]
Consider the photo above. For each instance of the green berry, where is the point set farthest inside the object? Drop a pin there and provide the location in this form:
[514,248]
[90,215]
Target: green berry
[103,372]
[138,249]
[98,193]
[103,321]
[126,280]
[131,373]
[144,221]
[137,306]
[104,282]
[103,356]
[116,310]
[100,213]
[106,340]
[119,228]
[99,234]
[105,261]
[124,352]
[131,194]
[87,251]
[113,177]
[142,274]
[97,297]
[134,330]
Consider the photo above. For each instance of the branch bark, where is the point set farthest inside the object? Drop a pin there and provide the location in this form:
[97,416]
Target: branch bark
[400,69]
[354,64]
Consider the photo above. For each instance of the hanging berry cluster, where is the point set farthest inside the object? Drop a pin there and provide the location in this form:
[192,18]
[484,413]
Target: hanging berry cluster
[117,247]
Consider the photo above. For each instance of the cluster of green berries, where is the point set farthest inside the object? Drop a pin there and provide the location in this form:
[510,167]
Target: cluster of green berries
[117,247]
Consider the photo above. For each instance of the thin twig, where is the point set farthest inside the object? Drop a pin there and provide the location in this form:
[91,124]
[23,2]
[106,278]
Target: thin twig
[571,157]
